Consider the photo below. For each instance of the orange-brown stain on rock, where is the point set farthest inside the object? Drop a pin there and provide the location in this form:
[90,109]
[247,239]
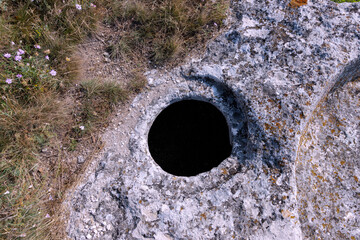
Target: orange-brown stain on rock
[297,3]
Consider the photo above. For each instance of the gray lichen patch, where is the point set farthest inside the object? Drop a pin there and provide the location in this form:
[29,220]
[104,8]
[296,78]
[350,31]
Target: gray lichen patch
[286,81]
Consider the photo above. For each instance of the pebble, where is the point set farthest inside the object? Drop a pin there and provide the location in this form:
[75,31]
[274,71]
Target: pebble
[80,159]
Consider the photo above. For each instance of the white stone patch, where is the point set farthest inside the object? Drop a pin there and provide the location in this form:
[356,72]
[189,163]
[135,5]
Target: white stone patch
[248,22]
[250,207]
[211,71]
[148,214]
[162,236]
[278,15]
[260,33]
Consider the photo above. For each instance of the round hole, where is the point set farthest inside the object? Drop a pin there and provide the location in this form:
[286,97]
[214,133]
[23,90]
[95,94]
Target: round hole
[189,137]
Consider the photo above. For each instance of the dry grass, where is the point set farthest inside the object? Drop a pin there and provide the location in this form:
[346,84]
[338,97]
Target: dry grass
[162,31]
[44,116]
[25,130]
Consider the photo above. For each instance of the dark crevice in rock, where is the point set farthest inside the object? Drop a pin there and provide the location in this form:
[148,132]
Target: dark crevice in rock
[124,211]
[100,168]
[350,73]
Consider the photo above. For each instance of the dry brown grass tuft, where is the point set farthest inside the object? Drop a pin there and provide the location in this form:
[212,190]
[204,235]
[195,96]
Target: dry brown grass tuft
[25,130]
[162,31]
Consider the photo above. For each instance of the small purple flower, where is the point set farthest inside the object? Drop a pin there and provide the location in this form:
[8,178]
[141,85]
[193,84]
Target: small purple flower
[8,81]
[47,57]
[53,73]
[20,52]
[215,24]
[18,58]
[19,76]
[37,46]
[92,5]
[7,55]
[78,6]
[12,43]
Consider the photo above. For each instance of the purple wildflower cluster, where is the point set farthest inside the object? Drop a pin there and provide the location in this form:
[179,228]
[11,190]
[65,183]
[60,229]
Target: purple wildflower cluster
[19,55]
[20,52]
[53,73]
[18,58]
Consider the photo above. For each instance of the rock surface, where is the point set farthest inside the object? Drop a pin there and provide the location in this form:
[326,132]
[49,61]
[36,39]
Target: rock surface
[288,82]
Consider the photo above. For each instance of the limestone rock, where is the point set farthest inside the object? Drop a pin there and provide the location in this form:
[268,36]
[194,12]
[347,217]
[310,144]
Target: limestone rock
[288,82]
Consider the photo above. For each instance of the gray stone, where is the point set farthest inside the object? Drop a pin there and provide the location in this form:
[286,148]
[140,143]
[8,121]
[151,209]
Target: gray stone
[80,159]
[288,82]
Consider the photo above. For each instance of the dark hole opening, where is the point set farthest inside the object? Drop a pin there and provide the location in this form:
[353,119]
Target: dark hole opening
[189,137]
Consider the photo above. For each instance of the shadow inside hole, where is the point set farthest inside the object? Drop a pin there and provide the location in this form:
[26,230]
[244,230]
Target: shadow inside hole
[189,137]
